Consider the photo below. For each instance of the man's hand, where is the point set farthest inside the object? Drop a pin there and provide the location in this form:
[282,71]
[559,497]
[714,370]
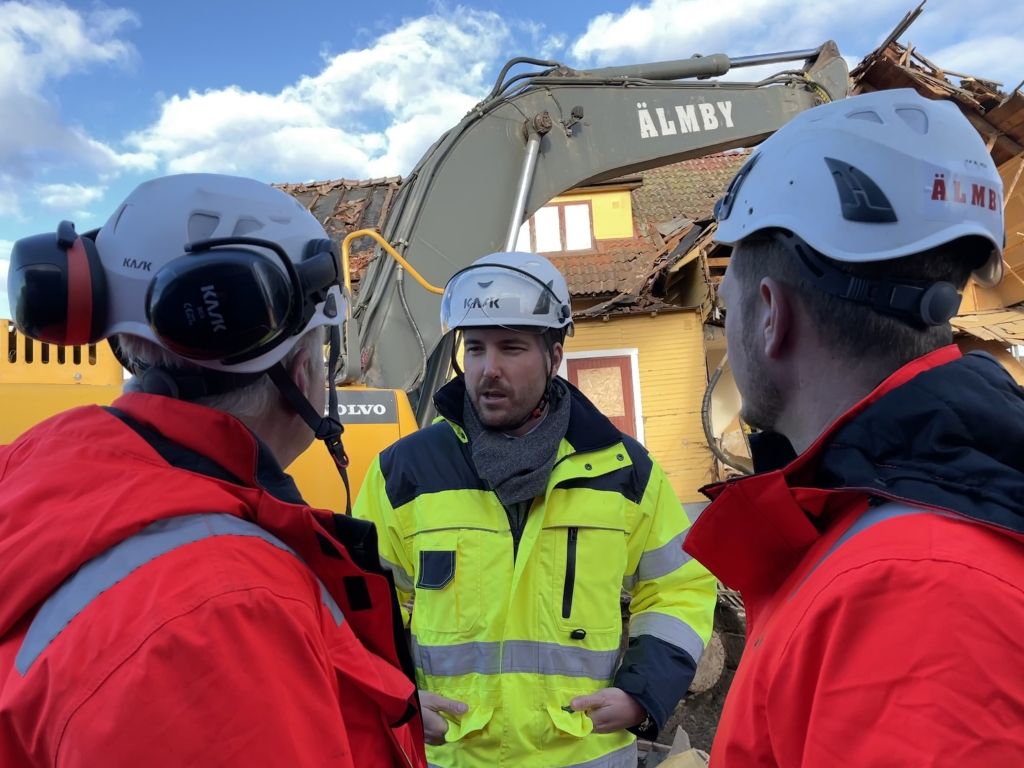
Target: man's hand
[435,726]
[610,709]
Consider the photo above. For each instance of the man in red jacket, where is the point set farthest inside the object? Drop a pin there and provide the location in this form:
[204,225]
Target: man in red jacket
[880,546]
[168,597]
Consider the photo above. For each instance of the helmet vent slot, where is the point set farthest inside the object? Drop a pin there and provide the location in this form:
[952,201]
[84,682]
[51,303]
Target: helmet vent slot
[244,227]
[915,119]
[861,198]
[201,226]
[868,115]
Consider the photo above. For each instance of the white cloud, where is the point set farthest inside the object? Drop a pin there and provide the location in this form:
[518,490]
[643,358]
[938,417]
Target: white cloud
[677,29]
[68,196]
[540,42]
[369,112]
[996,57]
[10,189]
[673,29]
[40,43]
[552,46]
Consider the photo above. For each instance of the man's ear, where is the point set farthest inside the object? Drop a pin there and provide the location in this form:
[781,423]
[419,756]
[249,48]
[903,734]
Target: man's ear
[775,316]
[557,353]
[301,371]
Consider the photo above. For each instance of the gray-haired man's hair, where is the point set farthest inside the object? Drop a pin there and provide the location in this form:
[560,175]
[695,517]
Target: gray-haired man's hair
[245,403]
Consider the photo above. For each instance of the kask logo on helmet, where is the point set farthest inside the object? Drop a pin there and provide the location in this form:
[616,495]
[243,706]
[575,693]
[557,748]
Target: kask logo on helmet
[482,303]
[145,266]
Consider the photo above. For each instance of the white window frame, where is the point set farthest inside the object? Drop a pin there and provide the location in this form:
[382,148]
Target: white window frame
[526,239]
[634,367]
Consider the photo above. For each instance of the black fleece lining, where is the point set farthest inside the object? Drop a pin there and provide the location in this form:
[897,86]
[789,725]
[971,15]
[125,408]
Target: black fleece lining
[952,437]
[269,474]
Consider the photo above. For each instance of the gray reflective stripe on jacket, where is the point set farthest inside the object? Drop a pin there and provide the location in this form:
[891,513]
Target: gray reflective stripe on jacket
[867,520]
[669,629]
[493,658]
[695,509]
[668,557]
[620,758]
[111,567]
[656,563]
[626,757]
[401,576]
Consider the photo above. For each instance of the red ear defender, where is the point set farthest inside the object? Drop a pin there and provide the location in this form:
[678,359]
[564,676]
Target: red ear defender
[80,293]
[58,288]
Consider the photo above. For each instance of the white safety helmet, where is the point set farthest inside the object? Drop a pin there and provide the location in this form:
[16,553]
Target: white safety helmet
[225,272]
[871,178]
[517,290]
[164,288]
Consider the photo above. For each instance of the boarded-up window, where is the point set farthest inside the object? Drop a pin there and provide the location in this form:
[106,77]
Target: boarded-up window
[604,388]
[608,384]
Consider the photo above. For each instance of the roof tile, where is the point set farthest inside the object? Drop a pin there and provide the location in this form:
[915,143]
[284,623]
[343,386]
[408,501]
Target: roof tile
[689,188]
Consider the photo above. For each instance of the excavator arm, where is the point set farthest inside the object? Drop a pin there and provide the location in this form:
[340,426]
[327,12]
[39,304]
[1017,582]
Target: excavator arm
[536,135]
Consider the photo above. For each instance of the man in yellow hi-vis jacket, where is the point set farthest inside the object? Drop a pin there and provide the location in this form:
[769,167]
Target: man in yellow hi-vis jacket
[514,522]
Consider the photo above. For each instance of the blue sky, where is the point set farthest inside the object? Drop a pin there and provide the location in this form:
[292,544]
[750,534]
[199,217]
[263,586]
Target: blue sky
[96,97]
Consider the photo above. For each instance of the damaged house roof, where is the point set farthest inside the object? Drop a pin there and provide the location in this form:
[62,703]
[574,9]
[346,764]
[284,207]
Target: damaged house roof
[343,206]
[612,267]
[665,205]
[998,116]
[665,200]
[689,188]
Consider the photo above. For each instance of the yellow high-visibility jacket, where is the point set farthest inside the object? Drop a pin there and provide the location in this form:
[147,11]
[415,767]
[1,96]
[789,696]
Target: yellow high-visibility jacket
[517,637]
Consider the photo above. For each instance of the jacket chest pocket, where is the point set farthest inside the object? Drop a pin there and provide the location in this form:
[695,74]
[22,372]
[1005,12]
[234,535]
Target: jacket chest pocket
[448,580]
[588,559]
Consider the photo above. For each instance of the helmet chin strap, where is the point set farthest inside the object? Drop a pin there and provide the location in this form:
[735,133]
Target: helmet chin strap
[919,303]
[326,428]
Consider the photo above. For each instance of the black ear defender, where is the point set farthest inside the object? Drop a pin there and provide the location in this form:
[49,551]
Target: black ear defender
[224,300]
[57,287]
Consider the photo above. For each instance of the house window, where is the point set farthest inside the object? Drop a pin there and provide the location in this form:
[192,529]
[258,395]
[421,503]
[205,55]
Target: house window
[556,228]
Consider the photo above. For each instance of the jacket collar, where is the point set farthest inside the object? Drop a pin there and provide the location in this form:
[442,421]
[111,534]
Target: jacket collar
[757,528]
[800,469]
[223,442]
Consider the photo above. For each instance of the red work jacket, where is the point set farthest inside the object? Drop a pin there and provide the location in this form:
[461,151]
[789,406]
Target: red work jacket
[886,611]
[168,600]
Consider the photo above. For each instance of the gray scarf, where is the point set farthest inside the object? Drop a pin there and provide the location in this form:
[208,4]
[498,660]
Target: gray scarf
[517,468]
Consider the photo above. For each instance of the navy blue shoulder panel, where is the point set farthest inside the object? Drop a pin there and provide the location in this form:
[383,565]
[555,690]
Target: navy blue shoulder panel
[630,482]
[431,460]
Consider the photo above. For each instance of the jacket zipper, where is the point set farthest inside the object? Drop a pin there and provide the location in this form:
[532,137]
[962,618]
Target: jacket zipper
[570,571]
